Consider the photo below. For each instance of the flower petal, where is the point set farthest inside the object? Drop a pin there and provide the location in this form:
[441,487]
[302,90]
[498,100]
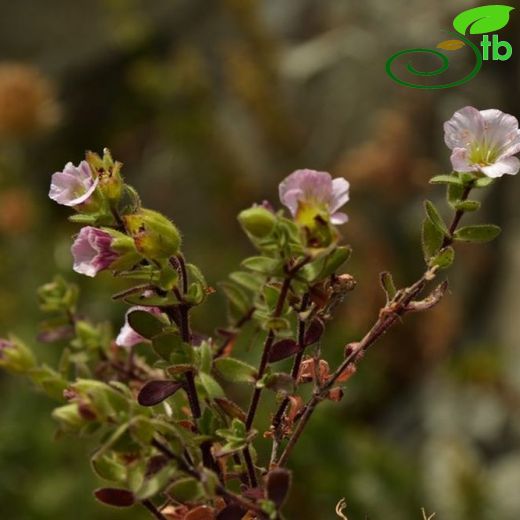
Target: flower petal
[460,162]
[509,166]
[340,193]
[465,127]
[339,218]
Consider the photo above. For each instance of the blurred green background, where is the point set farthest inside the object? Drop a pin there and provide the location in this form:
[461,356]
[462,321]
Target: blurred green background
[210,104]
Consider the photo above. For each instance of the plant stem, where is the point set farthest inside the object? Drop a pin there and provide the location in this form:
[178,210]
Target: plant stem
[269,340]
[387,318]
[148,504]
[184,326]
[448,240]
[192,471]
[277,419]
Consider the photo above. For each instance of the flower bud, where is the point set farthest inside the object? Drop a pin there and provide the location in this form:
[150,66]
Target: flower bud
[95,250]
[15,356]
[69,417]
[155,237]
[109,174]
[58,295]
[257,221]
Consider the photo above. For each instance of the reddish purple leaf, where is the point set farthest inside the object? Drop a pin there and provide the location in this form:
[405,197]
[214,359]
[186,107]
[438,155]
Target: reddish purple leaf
[115,497]
[278,484]
[314,332]
[231,512]
[283,349]
[154,392]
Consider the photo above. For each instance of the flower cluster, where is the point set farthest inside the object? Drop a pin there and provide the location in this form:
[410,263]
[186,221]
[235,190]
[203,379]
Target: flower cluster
[175,439]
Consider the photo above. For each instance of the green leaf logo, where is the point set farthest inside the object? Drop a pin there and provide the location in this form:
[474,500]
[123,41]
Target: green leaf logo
[482,20]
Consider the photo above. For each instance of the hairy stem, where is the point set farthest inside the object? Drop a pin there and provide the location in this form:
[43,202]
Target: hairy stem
[277,419]
[387,318]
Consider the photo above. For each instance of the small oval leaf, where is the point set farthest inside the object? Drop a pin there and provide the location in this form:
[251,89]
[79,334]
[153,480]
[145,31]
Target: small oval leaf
[231,512]
[145,323]
[236,371]
[283,349]
[154,392]
[479,233]
[115,497]
[482,20]
[278,485]
[314,332]
[451,45]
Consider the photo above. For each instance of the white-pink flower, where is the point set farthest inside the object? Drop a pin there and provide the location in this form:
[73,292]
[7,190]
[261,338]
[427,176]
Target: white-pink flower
[127,336]
[310,192]
[92,251]
[74,185]
[483,141]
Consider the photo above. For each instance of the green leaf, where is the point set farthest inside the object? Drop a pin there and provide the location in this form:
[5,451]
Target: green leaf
[279,382]
[334,261]
[387,283]
[467,205]
[108,468]
[446,179]
[435,218]
[80,218]
[484,182]
[146,324]
[186,489]
[155,483]
[444,259]
[152,301]
[165,343]
[238,300]
[212,388]
[250,281]
[236,371]
[479,233]
[454,194]
[196,294]
[262,264]
[482,20]
[431,239]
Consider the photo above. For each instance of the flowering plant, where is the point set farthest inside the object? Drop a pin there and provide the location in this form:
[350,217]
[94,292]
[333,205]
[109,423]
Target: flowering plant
[157,396]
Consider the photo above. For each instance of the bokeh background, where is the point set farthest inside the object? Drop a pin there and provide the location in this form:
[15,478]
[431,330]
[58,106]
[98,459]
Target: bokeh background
[210,104]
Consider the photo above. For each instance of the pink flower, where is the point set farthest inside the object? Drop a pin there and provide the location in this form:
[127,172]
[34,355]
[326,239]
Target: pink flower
[307,193]
[127,336]
[92,251]
[483,141]
[74,185]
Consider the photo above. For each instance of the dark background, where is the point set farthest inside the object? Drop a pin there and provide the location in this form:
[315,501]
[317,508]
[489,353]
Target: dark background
[210,104]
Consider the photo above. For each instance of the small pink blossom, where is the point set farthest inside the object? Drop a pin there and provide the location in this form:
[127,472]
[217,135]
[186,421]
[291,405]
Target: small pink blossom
[127,336]
[483,141]
[74,185]
[92,251]
[310,190]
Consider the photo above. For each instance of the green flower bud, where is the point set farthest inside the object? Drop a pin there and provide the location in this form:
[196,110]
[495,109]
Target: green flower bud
[155,237]
[70,417]
[257,221]
[15,356]
[109,173]
[58,295]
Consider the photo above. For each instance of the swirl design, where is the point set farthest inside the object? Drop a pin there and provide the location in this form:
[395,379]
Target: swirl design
[436,72]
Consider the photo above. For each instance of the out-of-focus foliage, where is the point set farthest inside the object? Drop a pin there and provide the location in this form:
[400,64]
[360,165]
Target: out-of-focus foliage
[211,104]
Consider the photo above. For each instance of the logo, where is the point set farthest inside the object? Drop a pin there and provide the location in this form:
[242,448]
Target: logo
[477,21]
